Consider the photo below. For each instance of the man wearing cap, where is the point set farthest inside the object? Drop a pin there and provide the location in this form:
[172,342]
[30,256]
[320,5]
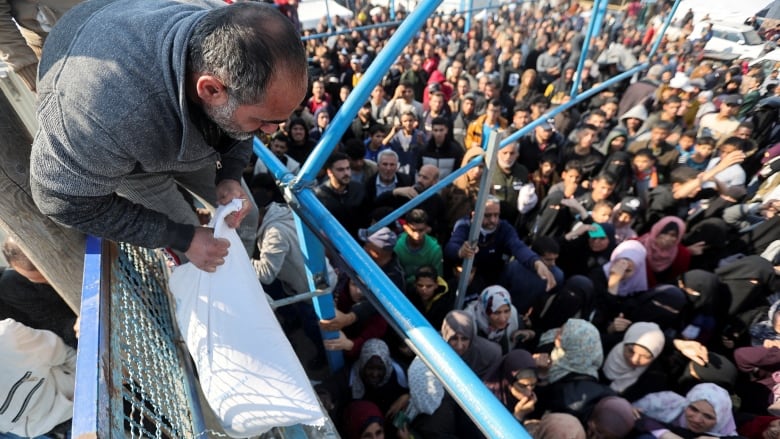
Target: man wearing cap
[380,247]
[718,125]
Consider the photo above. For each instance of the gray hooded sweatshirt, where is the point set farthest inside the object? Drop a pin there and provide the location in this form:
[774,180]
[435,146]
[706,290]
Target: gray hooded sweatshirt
[112,103]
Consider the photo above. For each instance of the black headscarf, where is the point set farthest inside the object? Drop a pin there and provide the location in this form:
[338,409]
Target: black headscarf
[747,281]
[663,305]
[575,297]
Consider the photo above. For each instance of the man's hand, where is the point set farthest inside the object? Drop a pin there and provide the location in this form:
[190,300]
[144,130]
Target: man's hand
[341,320]
[408,192]
[693,350]
[339,344]
[207,252]
[467,250]
[544,272]
[227,190]
[697,249]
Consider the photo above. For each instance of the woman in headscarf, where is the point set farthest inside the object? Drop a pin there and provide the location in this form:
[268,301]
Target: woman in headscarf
[768,329]
[495,316]
[572,378]
[513,382]
[708,298]
[573,300]
[705,410]
[612,418]
[748,282]
[617,281]
[667,258]
[460,332]
[590,247]
[642,344]
[664,305]
[376,376]
[559,426]
[363,418]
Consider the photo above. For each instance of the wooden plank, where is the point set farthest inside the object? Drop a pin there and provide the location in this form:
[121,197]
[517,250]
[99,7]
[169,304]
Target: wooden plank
[57,251]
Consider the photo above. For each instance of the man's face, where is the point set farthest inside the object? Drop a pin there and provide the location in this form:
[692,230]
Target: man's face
[278,147]
[467,107]
[463,86]
[597,121]
[436,103]
[439,133]
[416,232]
[388,165]
[377,138]
[642,163]
[317,90]
[549,259]
[492,112]
[602,190]
[671,108]
[521,119]
[492,213]
[427,176]
[242,121]
[340,173]
[507,157]
[298,133]
[378,92]
[743,133]
[407,122]
[571,178]
[658,135]
[323,119]
[703,150]
[587,137]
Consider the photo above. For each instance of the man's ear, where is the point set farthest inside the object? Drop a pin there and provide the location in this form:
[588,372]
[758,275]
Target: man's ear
[211,90]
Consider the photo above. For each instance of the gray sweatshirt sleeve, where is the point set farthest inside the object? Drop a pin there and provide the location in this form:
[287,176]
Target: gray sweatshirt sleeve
[75,169]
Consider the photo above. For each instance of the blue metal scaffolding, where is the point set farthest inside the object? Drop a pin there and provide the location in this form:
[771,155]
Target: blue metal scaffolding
[318,231]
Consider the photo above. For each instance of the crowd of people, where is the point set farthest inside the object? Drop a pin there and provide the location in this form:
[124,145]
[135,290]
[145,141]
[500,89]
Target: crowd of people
[624,279]
[623,283]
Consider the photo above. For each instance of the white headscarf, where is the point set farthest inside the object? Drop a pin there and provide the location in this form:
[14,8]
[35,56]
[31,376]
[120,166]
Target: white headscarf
[623,375]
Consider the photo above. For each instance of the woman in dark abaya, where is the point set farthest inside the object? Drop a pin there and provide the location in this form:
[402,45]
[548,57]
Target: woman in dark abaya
[708,311]
[513,381]
[748,280]
[591,247]
[573,300]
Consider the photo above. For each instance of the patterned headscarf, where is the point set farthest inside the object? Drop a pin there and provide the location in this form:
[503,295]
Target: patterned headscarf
[645,334]
[374,347]
[634,251]
[659,259]
[580,351]
[490,300]
[425,390]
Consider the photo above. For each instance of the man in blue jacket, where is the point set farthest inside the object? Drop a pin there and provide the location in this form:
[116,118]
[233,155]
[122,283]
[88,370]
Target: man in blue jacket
[138,98]
[498,241]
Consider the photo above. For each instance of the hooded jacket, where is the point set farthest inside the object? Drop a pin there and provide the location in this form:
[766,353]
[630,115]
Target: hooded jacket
[112,104]
[37,379]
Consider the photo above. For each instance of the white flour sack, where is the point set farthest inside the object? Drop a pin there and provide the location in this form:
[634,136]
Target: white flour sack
[249,373]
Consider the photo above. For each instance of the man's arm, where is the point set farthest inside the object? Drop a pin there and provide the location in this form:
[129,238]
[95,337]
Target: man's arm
[458,237]
[273,249]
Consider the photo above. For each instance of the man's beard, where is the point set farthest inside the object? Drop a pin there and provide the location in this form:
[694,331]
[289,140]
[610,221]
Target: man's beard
[222,116]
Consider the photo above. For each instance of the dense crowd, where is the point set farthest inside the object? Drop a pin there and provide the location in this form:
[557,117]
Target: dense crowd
[623,283]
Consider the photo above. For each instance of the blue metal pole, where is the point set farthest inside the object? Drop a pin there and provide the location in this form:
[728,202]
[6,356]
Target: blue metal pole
[348,31]
[91,400]
[327,15]
[317,275]
[360,94]
[601,11]
[392,10]
[585,49]
[479,403]
[663,30]
[416,201]
[470,10]
[494,420]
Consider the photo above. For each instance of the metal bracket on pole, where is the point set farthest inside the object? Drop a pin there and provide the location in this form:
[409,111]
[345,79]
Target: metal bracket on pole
[479,211]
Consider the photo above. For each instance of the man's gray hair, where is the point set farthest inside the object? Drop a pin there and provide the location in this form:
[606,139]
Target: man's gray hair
[385,152]
[244,45]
